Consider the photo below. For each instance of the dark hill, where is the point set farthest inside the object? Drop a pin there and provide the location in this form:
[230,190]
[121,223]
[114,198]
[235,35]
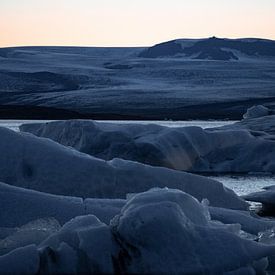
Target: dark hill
[212,49]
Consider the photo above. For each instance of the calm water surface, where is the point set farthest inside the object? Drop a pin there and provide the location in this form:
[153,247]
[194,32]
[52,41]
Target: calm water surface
[240,184]
[14,124]
[245,184]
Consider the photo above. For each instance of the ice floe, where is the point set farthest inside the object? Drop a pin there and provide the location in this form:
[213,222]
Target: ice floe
[158,231]
[44,165]
[230,149]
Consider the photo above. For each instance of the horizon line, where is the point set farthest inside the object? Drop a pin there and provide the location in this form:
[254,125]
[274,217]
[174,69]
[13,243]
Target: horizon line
[129,46]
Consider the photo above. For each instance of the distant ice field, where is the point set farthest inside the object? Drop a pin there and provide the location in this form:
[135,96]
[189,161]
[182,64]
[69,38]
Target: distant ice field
[239,183]
[117,82]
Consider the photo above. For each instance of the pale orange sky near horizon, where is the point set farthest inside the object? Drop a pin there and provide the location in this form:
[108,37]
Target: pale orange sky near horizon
[132,22]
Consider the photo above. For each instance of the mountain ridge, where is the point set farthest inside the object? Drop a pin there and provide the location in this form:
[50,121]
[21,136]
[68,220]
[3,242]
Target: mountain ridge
[212,48]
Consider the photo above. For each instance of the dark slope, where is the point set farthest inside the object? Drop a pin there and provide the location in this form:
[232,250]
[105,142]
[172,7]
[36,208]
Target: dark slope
[114,83]
[213,49]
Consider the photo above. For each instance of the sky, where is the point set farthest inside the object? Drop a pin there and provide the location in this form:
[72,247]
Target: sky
[131,22]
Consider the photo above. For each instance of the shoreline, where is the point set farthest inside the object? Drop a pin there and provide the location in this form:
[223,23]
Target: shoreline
[25,112]
[222,111]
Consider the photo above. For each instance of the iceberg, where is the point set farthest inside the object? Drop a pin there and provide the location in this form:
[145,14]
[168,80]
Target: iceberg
[86,241]
[230,149]
[266,198]
[33,232]
[250,223]
[256,111]
[43,165]
[165,231]
[24,260]
[158,231]
[261,125]
[21,206]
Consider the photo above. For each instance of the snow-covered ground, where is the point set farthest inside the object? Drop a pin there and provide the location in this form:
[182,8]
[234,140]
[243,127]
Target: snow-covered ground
[116,81]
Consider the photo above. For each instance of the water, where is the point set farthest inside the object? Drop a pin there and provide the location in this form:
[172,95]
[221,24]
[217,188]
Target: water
[176,124]
[243,185]
[240,184]
[14,124]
